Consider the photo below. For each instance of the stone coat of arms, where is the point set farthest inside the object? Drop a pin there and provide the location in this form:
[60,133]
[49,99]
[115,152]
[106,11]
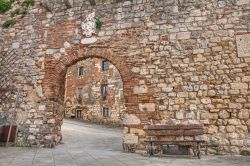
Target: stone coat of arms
[88,25]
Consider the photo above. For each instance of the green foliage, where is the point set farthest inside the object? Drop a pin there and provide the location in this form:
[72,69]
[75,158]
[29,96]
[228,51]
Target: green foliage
[15,12]
[5,5]
[9,23]
[98,23]
[218,153]
[29,2]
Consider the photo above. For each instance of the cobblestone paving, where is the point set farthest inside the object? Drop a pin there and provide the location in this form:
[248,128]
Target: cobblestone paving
[93,145]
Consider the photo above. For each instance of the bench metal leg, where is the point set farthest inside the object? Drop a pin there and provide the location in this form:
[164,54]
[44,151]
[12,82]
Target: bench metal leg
[151,151]
[199,151]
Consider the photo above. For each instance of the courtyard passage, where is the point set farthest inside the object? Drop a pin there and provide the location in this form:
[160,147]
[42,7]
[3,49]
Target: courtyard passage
[94,145]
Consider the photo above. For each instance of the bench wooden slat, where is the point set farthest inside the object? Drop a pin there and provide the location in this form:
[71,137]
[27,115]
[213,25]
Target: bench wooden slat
[192,132]
[176,141]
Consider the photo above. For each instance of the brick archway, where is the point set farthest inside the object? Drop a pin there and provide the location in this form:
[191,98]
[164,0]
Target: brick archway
[55,70]
[54,84]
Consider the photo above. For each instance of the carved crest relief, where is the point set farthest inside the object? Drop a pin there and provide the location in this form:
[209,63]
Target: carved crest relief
[88,25]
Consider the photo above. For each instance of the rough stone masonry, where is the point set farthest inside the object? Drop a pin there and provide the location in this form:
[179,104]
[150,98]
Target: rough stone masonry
[181,62]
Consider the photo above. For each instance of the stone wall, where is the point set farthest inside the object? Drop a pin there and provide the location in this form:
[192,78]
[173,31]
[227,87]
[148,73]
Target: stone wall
[92,102]
[184,61]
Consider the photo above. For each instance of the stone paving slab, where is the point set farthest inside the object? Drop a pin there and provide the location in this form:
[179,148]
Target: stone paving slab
[93,145]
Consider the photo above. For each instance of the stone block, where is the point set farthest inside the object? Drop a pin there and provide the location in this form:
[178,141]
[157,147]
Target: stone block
[147,107]
[215,110]
[224,114]
[246,79]
[139,132]
[217,49]
[32,130]
[243,2]
[183,35]
[212,129]
[38,122]
[234,92]
[15,45]
[246,142]
[241,129]
[182,94]
[51,51]
[230,129]
[31,137]
[198,51]
[233,135]
[130,139]
[51,121]
[205,116]
[48,137]
[196,12]
[179,115]
[32,111]
[62,51]
[243,114]
[190,115]
[234,150]
[21,117]
[131,120]
[66,44]
[236,142]
[235,105]
[41,107]
[39,91]
[234,122]
[192,107]
[135,69]
[239,85]
[125,130]
[148,50]
[205,122]
[140,89]
[87,41]
[206,101]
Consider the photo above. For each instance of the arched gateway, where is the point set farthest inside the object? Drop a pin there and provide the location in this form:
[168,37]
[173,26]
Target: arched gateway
[54,84]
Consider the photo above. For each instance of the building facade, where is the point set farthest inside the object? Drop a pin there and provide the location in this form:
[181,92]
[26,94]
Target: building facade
[94,92]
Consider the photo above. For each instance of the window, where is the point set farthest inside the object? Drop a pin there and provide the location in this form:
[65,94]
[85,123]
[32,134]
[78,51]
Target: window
[79,94]
[78,114]
[105,112]
[105,65]
[104,90]
[80,71]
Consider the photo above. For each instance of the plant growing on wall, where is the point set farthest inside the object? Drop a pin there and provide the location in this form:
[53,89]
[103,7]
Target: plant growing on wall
[5,6]
[29,2]
[9,23]
[19,8]
[98,23]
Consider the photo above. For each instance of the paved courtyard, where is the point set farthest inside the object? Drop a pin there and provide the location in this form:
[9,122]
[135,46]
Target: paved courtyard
[93,145]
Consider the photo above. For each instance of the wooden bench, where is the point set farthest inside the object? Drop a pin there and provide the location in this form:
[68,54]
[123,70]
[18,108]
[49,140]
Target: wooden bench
[157,131]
